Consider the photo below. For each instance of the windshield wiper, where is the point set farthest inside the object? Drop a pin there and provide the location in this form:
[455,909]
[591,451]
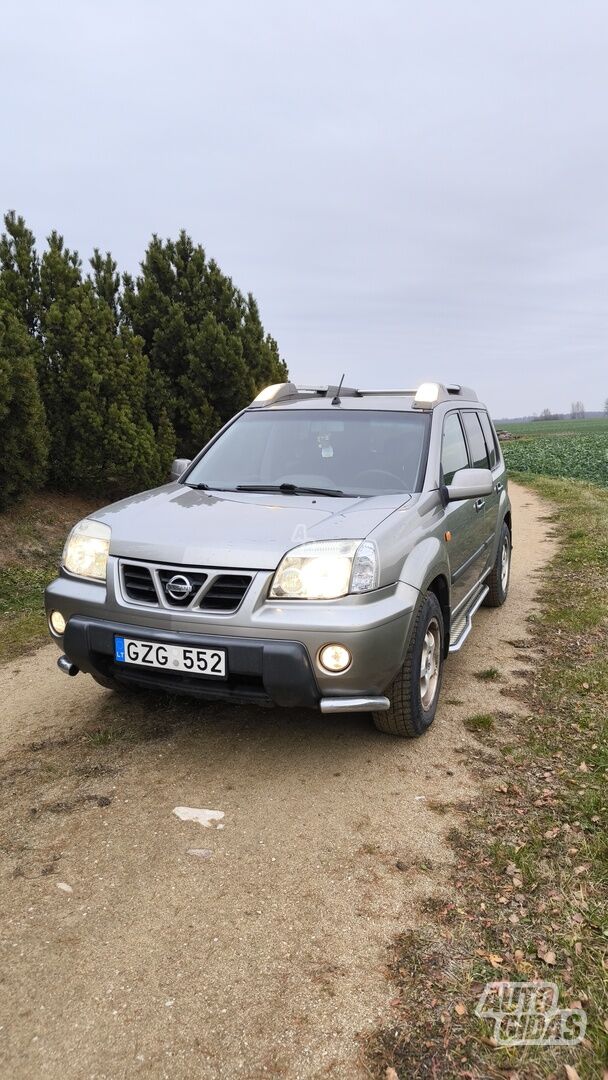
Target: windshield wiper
[293,489]
[206,487]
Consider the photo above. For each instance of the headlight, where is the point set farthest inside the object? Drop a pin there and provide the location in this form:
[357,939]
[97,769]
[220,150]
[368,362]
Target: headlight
[86,549]
[326,569]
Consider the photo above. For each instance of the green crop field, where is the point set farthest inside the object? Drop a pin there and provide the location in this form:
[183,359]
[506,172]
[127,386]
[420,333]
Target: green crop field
[556,427]
[568,448]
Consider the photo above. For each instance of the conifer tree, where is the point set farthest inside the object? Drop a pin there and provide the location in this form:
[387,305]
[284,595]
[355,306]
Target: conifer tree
[23,430]
[95,380]
[206,345]
[106,280]
[69,375]
[20,271]
[260,350]
[132,459]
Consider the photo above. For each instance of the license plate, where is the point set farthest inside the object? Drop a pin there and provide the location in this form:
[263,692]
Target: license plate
[193,661]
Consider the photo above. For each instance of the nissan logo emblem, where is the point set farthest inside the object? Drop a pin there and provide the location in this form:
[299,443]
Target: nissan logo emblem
[178,587]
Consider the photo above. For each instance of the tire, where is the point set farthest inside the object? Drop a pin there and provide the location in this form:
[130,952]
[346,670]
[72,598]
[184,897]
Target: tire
[412,711]
[498,578]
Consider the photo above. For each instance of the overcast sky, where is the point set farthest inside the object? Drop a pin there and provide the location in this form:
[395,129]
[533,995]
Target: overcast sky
[411,190]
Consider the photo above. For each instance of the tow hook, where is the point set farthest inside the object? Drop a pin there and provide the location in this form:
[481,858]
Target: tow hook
[67,666]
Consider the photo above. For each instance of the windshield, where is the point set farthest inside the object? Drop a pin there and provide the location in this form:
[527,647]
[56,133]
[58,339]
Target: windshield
[350,452]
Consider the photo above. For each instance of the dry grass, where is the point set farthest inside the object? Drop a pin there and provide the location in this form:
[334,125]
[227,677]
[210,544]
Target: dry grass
[32,535]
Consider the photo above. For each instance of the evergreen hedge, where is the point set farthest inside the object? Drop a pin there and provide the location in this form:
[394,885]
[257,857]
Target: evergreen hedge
[104,379]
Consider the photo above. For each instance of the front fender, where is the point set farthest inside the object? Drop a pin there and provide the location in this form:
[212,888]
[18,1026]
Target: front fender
[427,561]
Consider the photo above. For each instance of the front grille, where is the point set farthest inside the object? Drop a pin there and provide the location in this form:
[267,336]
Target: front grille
[226,592]
[138,583]
[193,589]
[194,579]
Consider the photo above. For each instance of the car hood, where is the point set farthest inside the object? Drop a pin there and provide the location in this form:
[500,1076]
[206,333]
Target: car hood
[241,530]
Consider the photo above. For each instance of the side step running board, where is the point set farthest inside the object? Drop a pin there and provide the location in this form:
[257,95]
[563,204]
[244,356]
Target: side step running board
[462,634]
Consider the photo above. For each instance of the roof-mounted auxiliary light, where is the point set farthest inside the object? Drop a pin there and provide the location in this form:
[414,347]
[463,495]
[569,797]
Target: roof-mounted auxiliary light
[428,394]
[274,393]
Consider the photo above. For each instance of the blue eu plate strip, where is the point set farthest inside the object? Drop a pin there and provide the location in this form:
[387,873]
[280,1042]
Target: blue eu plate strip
[119,649]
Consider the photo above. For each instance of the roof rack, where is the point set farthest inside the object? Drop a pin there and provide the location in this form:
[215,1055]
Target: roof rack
[425,396]
[394,390]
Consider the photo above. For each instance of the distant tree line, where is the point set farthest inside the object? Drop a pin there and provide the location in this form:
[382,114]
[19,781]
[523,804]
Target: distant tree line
[103,378]
[577,412]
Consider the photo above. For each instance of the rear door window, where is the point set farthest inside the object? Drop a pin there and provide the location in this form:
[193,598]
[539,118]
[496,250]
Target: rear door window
[477,444]
[454,455]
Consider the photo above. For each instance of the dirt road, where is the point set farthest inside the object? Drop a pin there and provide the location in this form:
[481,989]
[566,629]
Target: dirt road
[124,954]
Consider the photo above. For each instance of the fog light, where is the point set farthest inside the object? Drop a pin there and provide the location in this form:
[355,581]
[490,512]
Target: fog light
[57,622]
[334,658]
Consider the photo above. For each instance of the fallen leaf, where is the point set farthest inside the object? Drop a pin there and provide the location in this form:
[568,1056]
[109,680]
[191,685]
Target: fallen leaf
[549,956]
[571,1073]
[460,1009]
[495,960]
[391,1074]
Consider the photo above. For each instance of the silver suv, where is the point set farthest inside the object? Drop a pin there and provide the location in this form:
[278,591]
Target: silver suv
[328,548]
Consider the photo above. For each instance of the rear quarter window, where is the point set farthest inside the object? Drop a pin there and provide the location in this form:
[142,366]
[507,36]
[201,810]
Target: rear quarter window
[477,443]
[490,438]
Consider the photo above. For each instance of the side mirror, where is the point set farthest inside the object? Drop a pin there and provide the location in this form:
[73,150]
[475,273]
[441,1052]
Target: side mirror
[470,484]
[179,466]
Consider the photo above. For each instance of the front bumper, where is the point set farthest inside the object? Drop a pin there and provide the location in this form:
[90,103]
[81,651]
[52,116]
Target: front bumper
[271,651]
[259,672]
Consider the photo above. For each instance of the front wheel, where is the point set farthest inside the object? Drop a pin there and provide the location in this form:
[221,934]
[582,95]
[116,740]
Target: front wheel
[414,692]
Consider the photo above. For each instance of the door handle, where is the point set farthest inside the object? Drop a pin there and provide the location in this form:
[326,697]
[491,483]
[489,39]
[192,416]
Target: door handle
[479,504]
[498,485]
